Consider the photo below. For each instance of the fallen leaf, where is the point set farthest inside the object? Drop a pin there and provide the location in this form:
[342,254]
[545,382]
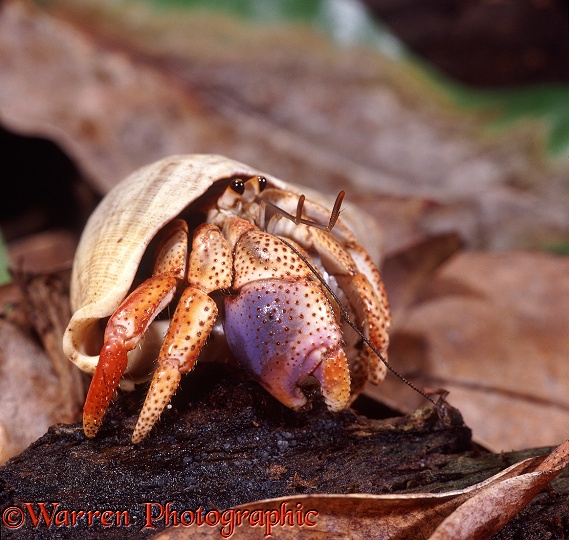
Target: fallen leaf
[493,330]
[411,269]
[38,385]
[30,395]
[48,251]
[141,83]
[489,510]
[110,115]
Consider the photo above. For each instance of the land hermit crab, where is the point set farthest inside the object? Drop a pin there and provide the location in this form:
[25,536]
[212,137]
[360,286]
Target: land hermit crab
[272,274]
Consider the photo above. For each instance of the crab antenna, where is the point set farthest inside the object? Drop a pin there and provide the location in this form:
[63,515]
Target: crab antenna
[336,210]
[299,208]
[346,317]
[298,219]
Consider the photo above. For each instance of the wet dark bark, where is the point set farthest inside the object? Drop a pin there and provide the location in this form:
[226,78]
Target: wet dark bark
[226,442]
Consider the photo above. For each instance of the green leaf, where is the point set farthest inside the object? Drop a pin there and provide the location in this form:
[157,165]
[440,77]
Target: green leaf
[547,103]
[4,262]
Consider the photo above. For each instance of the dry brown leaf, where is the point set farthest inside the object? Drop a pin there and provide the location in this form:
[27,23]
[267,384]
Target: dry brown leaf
[30,397]
[38,385]
[489,510]
[110,114]
[137,84]
[475,513]
[493,329]
[408,270]
[48,251]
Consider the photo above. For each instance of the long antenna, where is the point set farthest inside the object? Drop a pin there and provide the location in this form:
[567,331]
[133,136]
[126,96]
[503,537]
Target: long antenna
[346,317]
[345,314]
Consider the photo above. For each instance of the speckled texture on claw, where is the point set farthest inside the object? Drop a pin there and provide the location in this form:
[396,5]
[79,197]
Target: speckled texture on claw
[282,331]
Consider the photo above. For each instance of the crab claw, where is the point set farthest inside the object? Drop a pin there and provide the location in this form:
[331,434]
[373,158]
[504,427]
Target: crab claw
[333,374]
[281,332]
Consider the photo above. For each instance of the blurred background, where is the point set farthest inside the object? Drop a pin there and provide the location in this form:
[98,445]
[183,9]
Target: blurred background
[446,120]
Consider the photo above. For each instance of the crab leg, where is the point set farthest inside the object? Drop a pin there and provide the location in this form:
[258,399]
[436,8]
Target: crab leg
[370,289]
[193,320]
[129,322]
[360,282]
[190,326]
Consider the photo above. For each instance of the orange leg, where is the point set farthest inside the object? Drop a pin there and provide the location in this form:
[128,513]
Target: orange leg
[124,330]
[371,291]
[129,322]
[190,327]
[210,268]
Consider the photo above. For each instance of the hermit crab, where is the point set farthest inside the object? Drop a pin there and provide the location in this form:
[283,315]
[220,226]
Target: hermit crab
[240,258]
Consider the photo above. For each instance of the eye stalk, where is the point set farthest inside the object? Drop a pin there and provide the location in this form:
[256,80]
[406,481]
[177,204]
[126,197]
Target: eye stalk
[242,191]
[232,196]
[238,186]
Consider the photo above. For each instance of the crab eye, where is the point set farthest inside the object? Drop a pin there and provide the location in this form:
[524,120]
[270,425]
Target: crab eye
[238,186]
[262,182]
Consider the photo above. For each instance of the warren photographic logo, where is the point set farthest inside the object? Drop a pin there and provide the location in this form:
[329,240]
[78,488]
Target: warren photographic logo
[154,515]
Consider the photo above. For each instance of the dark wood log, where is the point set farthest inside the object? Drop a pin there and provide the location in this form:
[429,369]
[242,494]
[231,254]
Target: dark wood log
[226,442]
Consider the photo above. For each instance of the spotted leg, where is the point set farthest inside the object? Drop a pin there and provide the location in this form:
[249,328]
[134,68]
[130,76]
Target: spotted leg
[127,325]
[370,289]
[360,281]
[209,270]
